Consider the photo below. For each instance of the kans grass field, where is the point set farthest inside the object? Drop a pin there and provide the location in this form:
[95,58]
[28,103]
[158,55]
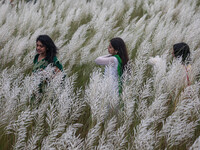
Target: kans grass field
[156,110]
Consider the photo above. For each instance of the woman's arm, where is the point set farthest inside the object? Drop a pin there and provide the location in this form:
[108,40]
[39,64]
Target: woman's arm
[105,60]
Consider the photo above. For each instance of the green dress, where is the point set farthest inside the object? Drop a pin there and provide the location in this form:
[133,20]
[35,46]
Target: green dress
[120,71]
[42,64]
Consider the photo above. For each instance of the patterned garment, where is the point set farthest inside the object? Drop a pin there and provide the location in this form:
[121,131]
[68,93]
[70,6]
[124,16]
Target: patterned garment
[42,64]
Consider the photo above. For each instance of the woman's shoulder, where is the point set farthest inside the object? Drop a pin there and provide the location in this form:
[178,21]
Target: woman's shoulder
[115,58]
[118,58]
[55,59]
[106,60]
[57,63]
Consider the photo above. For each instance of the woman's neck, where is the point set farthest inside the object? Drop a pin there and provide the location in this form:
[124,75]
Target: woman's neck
[41,56]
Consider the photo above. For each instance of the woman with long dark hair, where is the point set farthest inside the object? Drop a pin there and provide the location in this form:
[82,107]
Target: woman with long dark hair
[116,60]
[46,54]
[182,51]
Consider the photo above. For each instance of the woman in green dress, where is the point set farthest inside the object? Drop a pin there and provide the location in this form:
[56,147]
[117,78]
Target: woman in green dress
[46,54]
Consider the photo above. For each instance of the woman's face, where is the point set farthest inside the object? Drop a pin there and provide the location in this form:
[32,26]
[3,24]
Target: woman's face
[111,50]
[40,48]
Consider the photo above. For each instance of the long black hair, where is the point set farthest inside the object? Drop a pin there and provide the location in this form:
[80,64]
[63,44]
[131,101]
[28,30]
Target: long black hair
[119,45]
[51,49]
[182,50]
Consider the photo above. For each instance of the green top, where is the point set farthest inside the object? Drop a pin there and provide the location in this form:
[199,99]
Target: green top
[120,71]
[119,67]
[42,64]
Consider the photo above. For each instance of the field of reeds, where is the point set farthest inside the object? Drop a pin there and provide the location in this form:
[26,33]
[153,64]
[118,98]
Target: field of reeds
[156,110]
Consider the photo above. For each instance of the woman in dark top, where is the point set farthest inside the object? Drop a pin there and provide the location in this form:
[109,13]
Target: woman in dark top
[46,54]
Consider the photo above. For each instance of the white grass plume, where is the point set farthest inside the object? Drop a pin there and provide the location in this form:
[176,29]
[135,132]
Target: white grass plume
[179,128]
[98,97]
[92,136]
[68,140]
[195,145]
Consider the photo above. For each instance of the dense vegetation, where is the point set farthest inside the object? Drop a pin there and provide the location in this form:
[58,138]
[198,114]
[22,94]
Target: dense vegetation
[156,110]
